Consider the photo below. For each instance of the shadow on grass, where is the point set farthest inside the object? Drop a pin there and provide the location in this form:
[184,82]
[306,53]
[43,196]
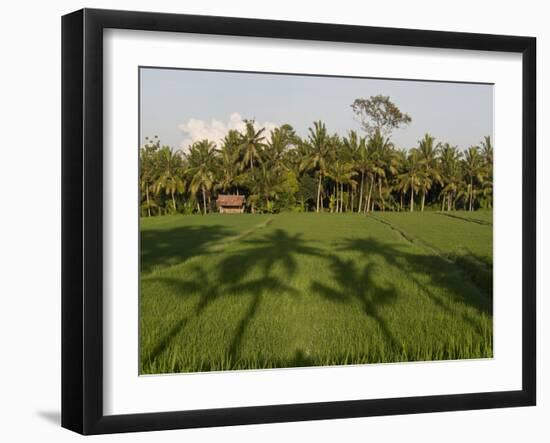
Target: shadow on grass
[261,255]
[173,246]
[165,340]
[264,264]
[356,283]
[277,248]
[436,271]
[478,268]
[353,282]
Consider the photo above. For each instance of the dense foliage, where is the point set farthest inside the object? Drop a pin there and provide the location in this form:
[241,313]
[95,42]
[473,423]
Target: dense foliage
[281,171]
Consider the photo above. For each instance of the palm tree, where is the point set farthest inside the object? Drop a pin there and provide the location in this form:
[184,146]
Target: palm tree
[201,168]
[426,182]
[428,156]
[360,158]
[401,166]
[229,166]
[265,181]
[473,167]
[342,173]
[170,179]
[487,184]
[282,139]
[411,179]
[384,163]
[147,170]
[486,192]
[251,144]
[487,150]
[451,174]
[317,156]
[283,169]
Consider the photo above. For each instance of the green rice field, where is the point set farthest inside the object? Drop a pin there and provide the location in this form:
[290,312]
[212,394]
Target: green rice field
[222,292]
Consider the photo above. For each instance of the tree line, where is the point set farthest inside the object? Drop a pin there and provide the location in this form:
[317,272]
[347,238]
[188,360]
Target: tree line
[319,172]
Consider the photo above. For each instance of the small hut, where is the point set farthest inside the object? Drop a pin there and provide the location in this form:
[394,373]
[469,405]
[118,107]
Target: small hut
[230,204]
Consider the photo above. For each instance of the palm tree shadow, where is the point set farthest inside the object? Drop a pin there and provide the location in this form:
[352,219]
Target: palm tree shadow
[264,253]
[257,289]
[357,284]
[231,279]
[276,249]
[166,247]
[208,292]
[164,341]
[261,266]
[435,271]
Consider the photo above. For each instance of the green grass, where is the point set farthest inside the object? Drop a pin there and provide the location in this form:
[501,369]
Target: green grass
[462,237]
[481,216]
[223,292]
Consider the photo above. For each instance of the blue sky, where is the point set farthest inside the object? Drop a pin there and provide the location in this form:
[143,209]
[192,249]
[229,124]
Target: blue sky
[182,106]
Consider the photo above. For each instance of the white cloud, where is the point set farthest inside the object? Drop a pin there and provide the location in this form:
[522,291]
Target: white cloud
[215,130]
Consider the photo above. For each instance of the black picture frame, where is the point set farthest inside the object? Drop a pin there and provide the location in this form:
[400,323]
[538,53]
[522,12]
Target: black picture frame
[82,218]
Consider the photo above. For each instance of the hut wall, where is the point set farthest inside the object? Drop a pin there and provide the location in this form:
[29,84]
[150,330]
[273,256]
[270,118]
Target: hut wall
[231,210]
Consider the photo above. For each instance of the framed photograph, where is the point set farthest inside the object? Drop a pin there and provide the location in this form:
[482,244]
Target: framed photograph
[268,221]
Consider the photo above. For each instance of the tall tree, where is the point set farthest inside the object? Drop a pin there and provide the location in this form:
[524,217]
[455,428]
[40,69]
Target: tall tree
[265,183]
[282,139]
[487,184]
[451,174]
[401,166]
[318,155]
[473,168]
[342,172]
[384,162]
[148,173]
[428,151]
[487,150]
[252,142]
[229,166]
[379,114]
[201,168]
[361,161]
[170,180]
[411,179]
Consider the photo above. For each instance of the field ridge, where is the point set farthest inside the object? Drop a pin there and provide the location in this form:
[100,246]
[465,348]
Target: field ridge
[221,246]
[430,248]
[414,240]
[467,219]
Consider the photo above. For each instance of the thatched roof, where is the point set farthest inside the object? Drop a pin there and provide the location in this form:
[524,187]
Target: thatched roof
[230,200]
